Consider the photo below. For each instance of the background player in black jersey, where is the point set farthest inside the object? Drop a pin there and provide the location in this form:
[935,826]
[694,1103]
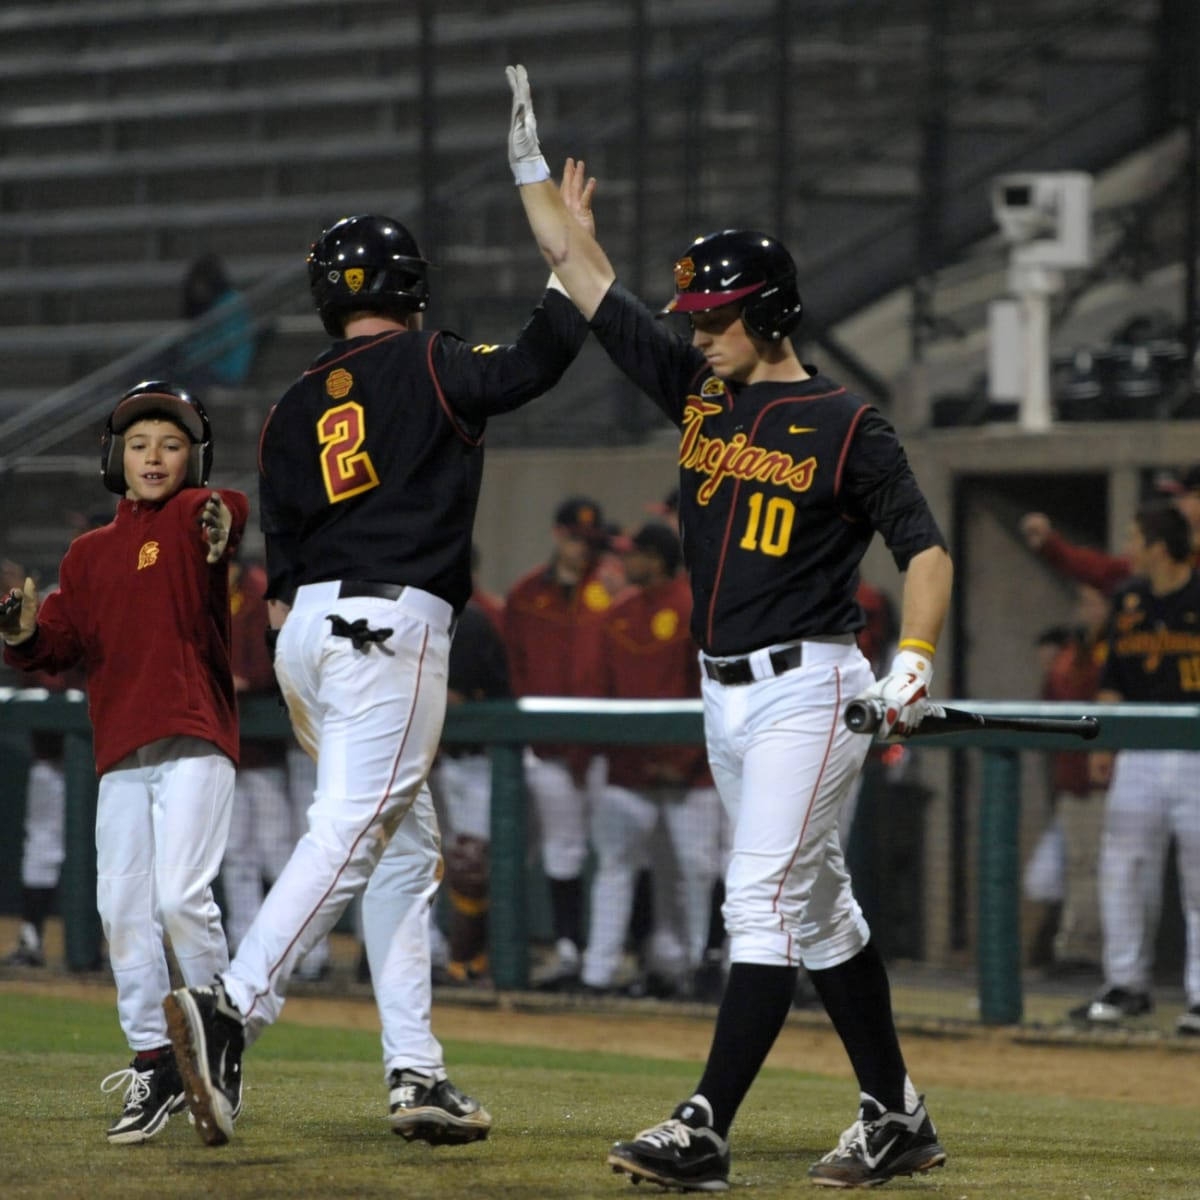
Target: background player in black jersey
[1153,655]
[784,478]
[370,468]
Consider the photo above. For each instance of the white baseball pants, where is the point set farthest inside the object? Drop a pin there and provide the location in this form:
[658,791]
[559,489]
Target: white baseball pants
[785,763]
[372,718]
[162,819]
[1152,796]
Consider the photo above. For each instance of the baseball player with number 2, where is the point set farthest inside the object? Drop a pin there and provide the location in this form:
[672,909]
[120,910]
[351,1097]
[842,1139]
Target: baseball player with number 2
[143,607]
[369,469]
[784,479]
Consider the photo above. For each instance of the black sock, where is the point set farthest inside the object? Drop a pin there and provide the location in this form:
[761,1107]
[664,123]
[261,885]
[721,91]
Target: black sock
[858,999]
[716,922]
[36,904]
[752,1012]
[566,908]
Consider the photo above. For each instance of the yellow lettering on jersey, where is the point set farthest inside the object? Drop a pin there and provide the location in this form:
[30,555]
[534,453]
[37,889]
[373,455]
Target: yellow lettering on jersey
[147,555]
[482,349]
[736,458]
[1153,645]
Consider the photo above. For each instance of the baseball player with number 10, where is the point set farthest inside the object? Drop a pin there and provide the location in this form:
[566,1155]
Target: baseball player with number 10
[784,478]
[369,469]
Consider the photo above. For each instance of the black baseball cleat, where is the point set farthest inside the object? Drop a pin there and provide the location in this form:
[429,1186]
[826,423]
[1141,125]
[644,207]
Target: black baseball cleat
[879,1146]
[208,1034]
[153,1093]
[683,1152]
[423,1110]
[1111,1007]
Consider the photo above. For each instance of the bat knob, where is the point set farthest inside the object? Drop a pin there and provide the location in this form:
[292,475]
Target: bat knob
[861,716]
[1089,727]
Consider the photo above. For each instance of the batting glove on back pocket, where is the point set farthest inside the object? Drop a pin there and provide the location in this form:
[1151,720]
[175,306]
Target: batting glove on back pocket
[904,692]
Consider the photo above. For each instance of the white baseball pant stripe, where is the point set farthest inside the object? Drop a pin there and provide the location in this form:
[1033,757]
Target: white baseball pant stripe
[372,719]
[784,763]
[1152,796]
[162,819]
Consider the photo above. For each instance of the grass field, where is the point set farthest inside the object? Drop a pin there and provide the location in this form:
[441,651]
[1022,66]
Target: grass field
[314,1124]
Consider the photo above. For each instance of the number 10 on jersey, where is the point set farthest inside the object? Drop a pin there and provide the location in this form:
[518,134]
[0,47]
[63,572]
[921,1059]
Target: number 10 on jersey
[769,526]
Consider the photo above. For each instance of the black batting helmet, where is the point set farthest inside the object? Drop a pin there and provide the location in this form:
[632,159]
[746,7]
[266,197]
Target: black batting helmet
[739,264]
[155,397]
[366,264]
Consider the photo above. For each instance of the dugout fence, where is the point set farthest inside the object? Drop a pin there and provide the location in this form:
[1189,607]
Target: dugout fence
[506,727]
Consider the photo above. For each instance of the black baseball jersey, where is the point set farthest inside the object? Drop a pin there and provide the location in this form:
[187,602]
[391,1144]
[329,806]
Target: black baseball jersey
[370,465]
[1154,644]
[782,486]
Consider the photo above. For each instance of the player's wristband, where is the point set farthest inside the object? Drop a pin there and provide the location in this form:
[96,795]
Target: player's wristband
[530,170]
[917,644]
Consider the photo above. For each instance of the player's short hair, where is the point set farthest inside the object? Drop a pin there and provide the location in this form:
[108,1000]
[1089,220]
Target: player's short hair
[1163,522]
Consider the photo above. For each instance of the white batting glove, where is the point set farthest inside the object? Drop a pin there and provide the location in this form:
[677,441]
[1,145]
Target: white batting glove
[215,522]
[18,614]
[904,692]
[524,153]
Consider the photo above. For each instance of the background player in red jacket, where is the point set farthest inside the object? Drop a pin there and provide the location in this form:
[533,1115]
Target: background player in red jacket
[642,651]
[546,614]
[143,607]
[785,477]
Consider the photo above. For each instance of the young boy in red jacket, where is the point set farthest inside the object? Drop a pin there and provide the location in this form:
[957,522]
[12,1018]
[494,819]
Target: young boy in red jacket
[143,607]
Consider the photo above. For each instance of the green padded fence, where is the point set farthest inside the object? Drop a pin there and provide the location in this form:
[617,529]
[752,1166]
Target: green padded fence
[507,726]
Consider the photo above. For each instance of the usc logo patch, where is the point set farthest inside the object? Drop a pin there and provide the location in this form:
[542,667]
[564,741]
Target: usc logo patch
[685,272]
[147,555]
[339,383]
[596,597]
[664,624]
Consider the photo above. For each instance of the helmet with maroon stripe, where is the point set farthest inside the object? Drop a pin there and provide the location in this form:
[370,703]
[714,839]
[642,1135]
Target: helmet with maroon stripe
[740,265]
[156,398]
[366,264]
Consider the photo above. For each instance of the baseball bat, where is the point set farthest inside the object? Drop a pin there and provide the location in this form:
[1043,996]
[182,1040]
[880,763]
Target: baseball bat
[865,716]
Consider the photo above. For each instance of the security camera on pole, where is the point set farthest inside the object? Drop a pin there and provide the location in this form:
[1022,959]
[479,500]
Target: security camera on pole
[1046,218]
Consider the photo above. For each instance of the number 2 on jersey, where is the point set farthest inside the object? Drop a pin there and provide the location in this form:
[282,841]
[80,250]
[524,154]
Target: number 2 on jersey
[347,469]
[776,522]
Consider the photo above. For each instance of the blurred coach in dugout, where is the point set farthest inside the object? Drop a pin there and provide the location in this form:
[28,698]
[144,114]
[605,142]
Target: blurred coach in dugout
[643,650]
[546,613]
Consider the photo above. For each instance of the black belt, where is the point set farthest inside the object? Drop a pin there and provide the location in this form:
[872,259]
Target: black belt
[734,671]
[364,587]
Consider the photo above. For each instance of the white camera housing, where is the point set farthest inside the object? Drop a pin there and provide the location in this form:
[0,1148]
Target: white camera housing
[1046,216]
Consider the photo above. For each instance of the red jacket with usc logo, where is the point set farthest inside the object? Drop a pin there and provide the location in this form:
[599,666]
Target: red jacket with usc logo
[644,651]
[546,629]
[147,618]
